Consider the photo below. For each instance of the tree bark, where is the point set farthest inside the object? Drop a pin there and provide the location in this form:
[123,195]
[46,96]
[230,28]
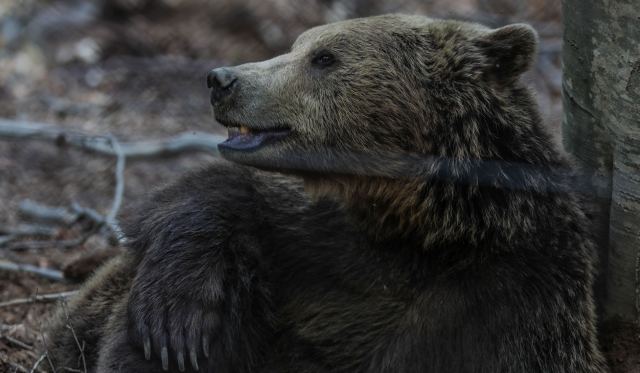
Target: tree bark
[601,89]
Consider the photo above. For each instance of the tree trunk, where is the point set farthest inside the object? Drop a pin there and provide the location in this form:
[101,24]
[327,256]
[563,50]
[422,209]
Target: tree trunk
[602,130]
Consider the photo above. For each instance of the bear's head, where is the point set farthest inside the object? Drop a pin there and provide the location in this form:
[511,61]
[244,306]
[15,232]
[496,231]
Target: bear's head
[357,105]
[373,87]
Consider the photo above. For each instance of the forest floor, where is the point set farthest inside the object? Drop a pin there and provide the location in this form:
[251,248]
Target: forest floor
[134,70]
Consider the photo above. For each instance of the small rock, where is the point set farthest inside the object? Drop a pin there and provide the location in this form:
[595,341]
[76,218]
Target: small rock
[87,50]
[94,77]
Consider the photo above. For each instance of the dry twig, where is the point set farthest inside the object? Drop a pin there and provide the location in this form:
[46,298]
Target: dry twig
[39,298]
[9,327]
[119,189]
[50,274]
[60,244]
[37,363]
[9,234]
[16,342]
[43,338]
[75,337]
[80,347]
[17,367]
[60,215]
[29,230]
[51,214]
[102,145]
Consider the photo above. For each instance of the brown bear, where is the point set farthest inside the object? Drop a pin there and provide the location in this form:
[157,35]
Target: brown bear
[393,204]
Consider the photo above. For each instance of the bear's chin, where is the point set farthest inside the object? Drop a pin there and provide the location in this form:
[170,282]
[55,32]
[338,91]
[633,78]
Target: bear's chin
[252,141]
[268,154]
[289,156]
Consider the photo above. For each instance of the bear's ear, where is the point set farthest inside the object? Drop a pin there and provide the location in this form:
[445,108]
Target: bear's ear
[510,50]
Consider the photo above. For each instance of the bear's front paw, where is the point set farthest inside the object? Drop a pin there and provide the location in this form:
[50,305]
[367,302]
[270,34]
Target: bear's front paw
[172,328]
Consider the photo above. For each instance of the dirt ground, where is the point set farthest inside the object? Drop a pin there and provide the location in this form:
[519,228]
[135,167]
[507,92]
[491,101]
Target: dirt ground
[134,69]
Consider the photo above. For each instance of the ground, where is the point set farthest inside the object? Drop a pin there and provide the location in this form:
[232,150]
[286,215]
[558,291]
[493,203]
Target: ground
[135,69]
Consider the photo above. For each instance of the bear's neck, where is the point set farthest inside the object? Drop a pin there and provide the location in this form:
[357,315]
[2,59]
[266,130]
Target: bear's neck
[430,213]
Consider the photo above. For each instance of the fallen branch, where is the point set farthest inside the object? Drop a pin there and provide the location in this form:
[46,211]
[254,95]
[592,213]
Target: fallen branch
[37,363]
[80,347]
[64,216]
[50,274]
[17,367]
[45,244]
[119,190]
[44,298]
[9,234]
[102,145]
[29,230]
[54,215]
[43,338]
[16,342]
[59,215]
[10,327]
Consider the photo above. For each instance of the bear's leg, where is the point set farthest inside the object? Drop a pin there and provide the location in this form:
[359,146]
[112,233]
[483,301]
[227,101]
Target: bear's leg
[74,333]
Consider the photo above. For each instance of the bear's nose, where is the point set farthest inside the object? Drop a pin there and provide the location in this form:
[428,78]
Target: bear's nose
[220,81]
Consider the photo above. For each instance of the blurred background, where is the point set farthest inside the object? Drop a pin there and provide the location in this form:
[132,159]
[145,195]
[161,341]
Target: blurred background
[134,70]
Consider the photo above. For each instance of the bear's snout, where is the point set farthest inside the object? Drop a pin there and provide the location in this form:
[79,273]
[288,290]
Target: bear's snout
[222,82]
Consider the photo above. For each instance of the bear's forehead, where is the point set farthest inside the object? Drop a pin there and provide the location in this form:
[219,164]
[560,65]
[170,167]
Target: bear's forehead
[362,25]
[369,27]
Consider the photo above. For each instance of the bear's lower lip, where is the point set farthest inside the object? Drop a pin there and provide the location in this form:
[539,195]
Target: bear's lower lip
[253,139]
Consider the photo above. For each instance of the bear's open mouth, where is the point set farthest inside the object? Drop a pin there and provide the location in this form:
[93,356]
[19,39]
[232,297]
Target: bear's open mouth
[245,138]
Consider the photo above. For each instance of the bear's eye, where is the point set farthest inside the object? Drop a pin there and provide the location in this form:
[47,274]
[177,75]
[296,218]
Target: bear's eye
[323,59]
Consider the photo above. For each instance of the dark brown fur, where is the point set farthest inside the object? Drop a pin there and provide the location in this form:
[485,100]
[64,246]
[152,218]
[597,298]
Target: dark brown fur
[441,235]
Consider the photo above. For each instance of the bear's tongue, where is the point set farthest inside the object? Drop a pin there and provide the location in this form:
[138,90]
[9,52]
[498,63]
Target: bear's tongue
[244,138]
